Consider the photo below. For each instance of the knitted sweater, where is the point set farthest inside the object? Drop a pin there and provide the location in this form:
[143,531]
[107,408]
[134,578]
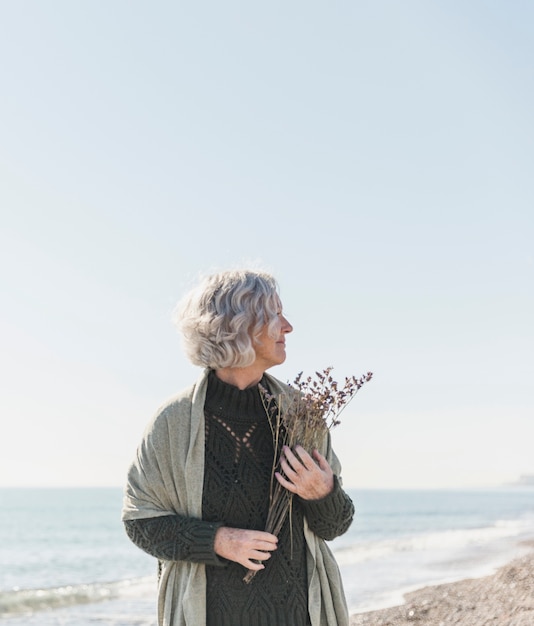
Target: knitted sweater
[166,479]
[238,462]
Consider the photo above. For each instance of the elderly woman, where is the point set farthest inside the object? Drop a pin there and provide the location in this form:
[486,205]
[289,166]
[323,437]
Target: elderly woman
[197,493]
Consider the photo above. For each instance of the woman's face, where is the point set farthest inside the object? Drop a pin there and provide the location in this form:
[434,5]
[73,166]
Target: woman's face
[271,348]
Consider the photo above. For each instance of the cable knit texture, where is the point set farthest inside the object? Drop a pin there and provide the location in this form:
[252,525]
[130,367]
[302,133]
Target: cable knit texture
[237,470]
[239,456]
[175,538]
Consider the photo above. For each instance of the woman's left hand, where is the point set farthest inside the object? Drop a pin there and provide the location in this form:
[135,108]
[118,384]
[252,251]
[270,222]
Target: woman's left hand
[309,477]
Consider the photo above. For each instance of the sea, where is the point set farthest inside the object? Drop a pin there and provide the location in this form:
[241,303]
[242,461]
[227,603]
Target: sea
[65,559]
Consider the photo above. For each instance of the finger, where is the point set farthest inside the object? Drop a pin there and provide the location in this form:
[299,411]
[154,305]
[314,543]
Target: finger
[261,536]
[321,460]
[290,457]
[288,470]
[267,545]
[253,565]
[305,458]
[285,483]
[259,555]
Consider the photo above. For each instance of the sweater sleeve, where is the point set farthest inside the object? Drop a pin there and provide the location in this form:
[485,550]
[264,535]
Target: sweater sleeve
[330,516]
[175,538]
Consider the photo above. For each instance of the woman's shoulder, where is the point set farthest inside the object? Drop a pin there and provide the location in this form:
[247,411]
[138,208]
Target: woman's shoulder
[175,402]
[278,388]
[179,405]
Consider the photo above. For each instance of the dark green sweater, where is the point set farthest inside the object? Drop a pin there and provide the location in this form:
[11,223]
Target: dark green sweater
[239,453]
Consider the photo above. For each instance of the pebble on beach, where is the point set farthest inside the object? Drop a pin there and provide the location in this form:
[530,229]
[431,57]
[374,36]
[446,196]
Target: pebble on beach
[505,598]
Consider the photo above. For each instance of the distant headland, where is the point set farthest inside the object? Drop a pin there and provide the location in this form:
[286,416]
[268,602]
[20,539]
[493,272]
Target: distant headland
[525,480]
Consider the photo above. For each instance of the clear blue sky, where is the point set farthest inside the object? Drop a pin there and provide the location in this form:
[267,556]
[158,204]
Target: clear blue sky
[377,157]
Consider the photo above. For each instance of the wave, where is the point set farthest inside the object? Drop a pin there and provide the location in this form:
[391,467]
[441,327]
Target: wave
[17,601]
[432,541]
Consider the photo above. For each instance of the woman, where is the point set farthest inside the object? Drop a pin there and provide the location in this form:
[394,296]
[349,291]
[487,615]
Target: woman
[198,491]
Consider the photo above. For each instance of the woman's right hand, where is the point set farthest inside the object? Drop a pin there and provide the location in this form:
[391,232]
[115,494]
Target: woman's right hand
[244,546]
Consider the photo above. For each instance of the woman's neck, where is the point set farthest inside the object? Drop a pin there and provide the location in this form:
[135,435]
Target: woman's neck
[240,377]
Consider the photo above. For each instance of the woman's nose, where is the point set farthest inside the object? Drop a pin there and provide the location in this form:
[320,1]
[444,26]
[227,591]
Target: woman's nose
[286,326]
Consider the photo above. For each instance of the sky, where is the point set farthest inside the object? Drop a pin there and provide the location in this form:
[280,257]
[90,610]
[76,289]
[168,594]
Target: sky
[376,157]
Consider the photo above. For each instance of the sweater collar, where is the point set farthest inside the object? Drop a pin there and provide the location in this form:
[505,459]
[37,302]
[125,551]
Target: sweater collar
[229,401]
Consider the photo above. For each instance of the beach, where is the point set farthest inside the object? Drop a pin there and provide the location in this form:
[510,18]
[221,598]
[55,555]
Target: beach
[505,598]
[77,565]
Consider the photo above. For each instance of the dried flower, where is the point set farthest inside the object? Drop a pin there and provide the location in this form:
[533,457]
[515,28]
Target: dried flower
[302,418]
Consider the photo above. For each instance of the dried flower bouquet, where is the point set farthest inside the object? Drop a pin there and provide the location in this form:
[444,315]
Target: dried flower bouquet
[302,418]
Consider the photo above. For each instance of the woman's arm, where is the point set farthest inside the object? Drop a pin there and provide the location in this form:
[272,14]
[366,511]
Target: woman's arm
[330,516]
[181,538]
[328,509]
[175,538]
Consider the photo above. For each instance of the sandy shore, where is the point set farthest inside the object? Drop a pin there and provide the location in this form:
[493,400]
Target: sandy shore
[505,598]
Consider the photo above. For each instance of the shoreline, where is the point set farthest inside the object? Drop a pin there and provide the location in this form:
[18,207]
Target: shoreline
[504,598]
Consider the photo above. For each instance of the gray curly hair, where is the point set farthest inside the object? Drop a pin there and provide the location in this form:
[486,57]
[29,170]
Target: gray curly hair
[222,317]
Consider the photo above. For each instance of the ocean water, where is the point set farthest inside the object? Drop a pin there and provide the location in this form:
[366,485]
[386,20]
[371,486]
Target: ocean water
[65,559]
